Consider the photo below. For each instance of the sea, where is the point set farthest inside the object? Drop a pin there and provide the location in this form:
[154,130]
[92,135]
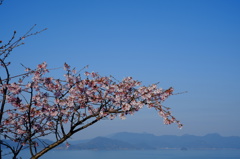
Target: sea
[137,154]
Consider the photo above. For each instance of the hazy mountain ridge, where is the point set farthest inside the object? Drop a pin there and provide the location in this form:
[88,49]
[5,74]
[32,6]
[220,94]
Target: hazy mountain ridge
[133,141]
[189,141]
[103,143]
[41,143]
[136,141]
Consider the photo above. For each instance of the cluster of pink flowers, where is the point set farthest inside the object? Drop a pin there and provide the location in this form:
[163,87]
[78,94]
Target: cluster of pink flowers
[43,104]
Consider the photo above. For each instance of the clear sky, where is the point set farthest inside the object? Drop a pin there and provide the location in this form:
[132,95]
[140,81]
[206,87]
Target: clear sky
[191,45]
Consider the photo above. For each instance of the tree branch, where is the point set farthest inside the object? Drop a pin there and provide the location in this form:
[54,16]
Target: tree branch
[64,138]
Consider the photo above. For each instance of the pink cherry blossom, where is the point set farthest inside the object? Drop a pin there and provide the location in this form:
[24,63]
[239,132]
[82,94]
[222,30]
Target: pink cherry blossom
[14,88]
[41,105]
[20,132]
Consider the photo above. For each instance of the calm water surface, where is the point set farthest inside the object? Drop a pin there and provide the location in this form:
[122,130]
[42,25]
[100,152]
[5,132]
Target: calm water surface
[145,154]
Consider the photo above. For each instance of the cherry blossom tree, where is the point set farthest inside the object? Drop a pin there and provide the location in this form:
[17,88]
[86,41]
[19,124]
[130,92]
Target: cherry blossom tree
[34,104]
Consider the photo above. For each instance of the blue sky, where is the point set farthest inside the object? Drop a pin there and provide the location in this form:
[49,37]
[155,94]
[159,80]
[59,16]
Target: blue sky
[190,45]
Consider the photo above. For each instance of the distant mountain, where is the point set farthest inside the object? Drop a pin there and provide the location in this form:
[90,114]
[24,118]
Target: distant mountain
[103,143]
[41,143]
[171,141]
[133,141]
[125,140]
[140,141]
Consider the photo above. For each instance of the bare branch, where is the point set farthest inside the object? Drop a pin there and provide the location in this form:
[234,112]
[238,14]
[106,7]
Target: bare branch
[1,1]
